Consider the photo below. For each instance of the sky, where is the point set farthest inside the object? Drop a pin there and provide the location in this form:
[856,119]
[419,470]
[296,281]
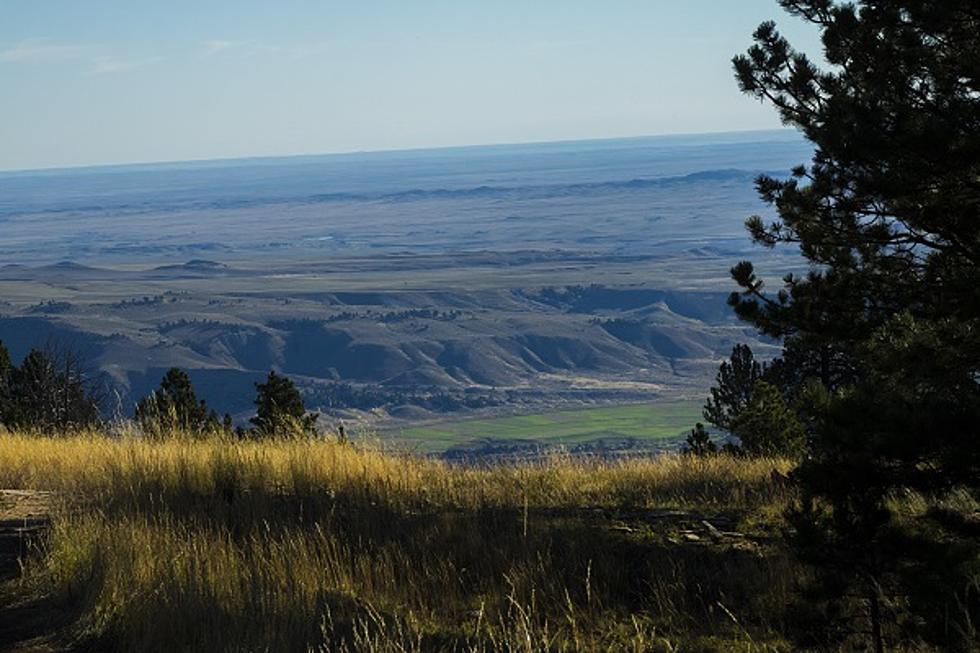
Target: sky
[123,81]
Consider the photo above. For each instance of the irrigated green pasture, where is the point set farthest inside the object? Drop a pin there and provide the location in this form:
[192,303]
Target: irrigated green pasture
[649,421]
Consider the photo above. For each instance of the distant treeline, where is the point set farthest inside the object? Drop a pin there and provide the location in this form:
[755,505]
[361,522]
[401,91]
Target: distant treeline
[347,395]
[52,391]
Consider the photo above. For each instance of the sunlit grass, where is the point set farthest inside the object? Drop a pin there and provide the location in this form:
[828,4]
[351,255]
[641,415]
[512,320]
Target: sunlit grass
[99,469]
[299,544]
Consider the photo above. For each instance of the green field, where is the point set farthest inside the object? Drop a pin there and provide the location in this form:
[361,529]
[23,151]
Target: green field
[653,421]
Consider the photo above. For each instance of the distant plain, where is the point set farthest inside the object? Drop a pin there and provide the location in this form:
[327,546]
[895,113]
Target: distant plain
[401,289]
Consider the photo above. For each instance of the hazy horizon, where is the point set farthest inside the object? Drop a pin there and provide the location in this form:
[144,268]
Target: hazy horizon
[113,82]
[746,134]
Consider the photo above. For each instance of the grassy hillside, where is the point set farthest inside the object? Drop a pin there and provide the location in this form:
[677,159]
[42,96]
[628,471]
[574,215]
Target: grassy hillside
[298,545]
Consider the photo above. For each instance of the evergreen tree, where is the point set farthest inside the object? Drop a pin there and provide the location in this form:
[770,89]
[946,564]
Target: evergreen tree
[802,361]
[6,380]
[699,443]
[280,410]
[175,409]
[888,215]
[34,394]
[733,388]
[51,392]
[767,426]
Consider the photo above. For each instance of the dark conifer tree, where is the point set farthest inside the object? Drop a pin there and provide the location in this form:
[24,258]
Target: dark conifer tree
[767,426]
[51,391]
[279,409]
[733,387]
[699,442]
[175,409]
[888,214]
[6,379]
[34,390]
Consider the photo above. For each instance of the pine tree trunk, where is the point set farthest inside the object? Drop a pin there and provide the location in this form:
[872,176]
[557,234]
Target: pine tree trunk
[825,366]
[875,609]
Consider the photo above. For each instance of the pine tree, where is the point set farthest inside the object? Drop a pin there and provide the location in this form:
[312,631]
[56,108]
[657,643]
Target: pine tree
[887,320]
[50,391]
[34,394]
[174,409]
[803,361]
[767,426]
[733,388]
[6,380]
[699,442]
[279,409]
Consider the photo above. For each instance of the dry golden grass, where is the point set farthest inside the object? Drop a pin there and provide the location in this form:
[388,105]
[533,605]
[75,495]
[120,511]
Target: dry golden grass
[287,545]
[97,468]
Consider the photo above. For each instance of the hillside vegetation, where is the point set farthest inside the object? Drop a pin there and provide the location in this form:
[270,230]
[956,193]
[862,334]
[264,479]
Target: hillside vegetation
[297,545]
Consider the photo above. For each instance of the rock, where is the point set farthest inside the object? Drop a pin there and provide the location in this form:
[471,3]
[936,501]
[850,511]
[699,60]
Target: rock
[712,531]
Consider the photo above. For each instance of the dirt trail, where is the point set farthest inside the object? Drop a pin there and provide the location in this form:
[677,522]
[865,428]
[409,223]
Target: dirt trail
[23,516]
[24,627]
[24,504]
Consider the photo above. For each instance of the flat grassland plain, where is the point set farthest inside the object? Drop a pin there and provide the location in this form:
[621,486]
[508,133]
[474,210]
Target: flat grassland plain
[399,288]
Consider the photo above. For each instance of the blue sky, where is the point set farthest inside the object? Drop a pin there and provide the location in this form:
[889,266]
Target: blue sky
[114,81]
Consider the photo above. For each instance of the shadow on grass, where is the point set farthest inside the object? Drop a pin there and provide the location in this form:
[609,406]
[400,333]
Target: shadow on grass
[432,576]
